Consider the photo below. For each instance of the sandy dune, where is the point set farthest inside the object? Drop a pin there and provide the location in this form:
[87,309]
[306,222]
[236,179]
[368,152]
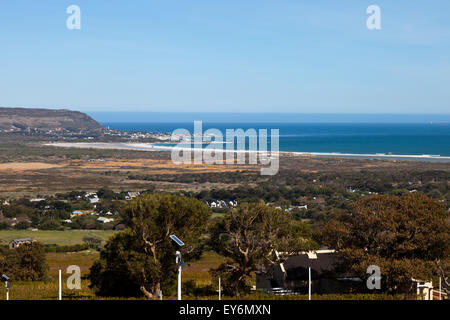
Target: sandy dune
[24,166]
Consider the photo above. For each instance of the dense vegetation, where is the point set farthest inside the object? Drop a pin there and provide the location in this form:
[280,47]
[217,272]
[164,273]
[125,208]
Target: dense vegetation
[248,237]
[334,199]
[143,256]
[52,212]
[408,237]
[27,262]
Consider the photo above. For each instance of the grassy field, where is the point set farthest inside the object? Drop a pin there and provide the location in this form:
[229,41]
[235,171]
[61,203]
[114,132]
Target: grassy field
[197,271]
[48,290]
[61,238]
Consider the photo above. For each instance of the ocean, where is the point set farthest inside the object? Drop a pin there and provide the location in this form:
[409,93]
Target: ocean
[349,138]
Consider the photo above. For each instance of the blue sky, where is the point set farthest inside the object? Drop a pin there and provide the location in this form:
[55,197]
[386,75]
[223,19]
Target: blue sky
[227,56]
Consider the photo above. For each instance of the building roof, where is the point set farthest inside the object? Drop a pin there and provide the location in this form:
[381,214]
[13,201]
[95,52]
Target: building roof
[323,264]
[22,240]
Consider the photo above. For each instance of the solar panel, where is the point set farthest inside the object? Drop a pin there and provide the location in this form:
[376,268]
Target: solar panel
[177,240]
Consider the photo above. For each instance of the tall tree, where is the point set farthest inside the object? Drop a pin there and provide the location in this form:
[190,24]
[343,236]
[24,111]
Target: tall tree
[405,236]
[249,236]
[27,262]
[145,252]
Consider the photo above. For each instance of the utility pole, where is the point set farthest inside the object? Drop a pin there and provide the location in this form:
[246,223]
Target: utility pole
[6,279]
[220,290]
[309,283]
[60,285]
[178,261]
[7,290]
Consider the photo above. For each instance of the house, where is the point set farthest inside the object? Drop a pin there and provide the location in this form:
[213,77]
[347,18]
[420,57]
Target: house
[12,221]
[77,213]
[94,199]
[290,209]
[222,204]
[18,242]
[132,195]
[424,289]
[292,275]
[105,220]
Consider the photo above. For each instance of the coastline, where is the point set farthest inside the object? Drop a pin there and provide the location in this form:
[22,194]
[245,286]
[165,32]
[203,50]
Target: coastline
[161,147]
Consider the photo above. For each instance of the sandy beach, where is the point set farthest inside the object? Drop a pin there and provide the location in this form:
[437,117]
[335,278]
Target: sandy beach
[162,147]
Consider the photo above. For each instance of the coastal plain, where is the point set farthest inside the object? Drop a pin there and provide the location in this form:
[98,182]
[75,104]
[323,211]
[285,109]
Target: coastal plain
[33,168]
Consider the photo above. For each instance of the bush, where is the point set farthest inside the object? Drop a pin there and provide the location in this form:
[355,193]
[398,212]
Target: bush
[111,275]
[27,262]
[72,248]
[4,225]
[22,225]
[50,224]
[93,242]
[190,288]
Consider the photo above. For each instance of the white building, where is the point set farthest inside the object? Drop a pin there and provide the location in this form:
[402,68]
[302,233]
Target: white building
[132,195]
[94,199]
[105,220]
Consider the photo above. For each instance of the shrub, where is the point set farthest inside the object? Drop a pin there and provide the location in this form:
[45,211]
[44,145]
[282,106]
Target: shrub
[22,225]
[93,242]
[27,262]
[4,225]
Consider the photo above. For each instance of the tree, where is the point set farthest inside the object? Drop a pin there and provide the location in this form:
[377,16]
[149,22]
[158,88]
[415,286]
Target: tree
[443,267]
[93,241]
[405,236]
[85,222]
[121,260]
[48,223]
[106,193]
[106,205]
[27,262]
[249,236]
[22,225]
[145,253]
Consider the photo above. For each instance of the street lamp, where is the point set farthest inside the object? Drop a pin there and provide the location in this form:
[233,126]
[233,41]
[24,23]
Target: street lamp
[6,279]
[179,261]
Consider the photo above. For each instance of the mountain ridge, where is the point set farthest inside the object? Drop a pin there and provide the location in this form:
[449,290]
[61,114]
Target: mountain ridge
[13,119]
